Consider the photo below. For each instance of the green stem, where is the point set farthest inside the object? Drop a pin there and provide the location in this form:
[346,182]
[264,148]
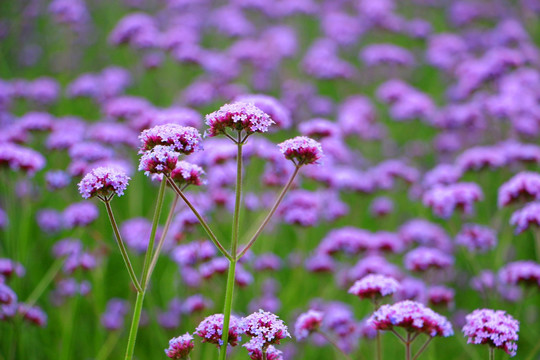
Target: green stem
[491,353]
[408,347]
[162,239]
[422,348]
[122,247]
[134,325]
[109,345]
[151,241]
[45,281]
[537,244]
[270,213]
[229,293]
[201,220]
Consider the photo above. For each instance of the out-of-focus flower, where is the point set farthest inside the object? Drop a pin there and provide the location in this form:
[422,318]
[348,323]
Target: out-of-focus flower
[19,158]
[307,323]
[477,238]
[523,218]
[523,186]
[80,214]
[445,199]
[521,272]
[423,258]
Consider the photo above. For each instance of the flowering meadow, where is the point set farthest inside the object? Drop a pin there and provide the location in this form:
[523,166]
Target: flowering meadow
[269,180]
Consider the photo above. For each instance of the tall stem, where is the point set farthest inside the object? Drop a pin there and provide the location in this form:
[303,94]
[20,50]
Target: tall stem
[264,350]
[122,247]
[491,353]
[378,336]
[271,213]
[162,239]
[537,244]
[151,241]
[203,223]
[134,325]
[229,293]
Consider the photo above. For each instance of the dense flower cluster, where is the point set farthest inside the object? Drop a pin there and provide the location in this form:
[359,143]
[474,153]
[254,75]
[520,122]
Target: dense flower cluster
[239,116]
[495,328]
[181,139]
[264,328]
[301,150]
[373,286]
[103,182]
[180,347]
[413,317]
[307,323]
[211,330]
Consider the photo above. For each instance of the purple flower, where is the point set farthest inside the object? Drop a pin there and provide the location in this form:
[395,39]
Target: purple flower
[187,173]
[104,183]
[33,314]
[319,128]
[523,186]
[441,295]
[271,106]
[495,328]
[238,116]
[160,160]
[272,353]
[57,179]
[180,347]
[181,139]
[374,286]
[7,296]
[423,258]
[301,150]
[425,233]
[411,289]
[523,218]
[381,206]
[301,207]
[80,214]
[211,330]
[19,158]
[477,238]
[49,220]
[373,264]
[307,323]
[481,157]
[521,272]
[442,174]
[445,199]
[381,54]
[115,312]
[264,328]
[412,316]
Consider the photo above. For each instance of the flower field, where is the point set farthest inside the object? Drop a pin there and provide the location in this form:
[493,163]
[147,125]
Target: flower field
[325,179]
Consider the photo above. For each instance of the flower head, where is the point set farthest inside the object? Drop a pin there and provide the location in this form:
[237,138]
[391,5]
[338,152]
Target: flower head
[240,116]
[187,173]
[211,330]
[103,181]
[520,272]
[526,217]
[301,150]
[496,328]
[160,160]
[182,139]
[307,323]
[413,316]
[477,238]
[264,328]
[271,353]
[373,286]
[180,347]
[523,186]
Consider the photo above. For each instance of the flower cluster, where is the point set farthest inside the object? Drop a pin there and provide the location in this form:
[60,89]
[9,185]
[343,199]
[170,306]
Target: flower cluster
[307,323]
[211,330]
[373,286]
[264,328]
[103,182]
[495,328]
[301,150]
[180,347]
[239,116]
[413,317]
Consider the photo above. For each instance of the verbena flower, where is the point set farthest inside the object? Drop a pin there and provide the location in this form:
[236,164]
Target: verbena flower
[103,182]
[374,286]
[526,217]
[20,158]
[423,258]
[521,272]
[523,186]
[307,323]
[271,353]
[445,199]
[495,328]
[186,173]
[181,139]
[211,330]
[264,328]
[160,160]
[80,214]
[301,150]
[33,314]
[180,347]
[477,238]
[239,116]
[413,317]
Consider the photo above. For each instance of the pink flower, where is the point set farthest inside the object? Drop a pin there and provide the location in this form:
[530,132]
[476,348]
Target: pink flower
[307,323]
[103,182]
[373,286]
[240,116]
[301,150]
[180,347]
